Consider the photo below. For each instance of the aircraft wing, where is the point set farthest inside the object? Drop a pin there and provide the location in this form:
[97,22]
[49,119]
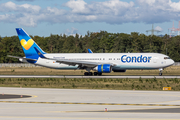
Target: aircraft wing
[21,58]
[75,62]
[72,62]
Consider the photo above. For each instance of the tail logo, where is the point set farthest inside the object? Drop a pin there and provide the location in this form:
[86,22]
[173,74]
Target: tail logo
[27,44]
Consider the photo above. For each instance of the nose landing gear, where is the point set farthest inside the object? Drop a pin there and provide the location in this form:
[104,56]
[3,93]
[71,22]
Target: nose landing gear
[160,71]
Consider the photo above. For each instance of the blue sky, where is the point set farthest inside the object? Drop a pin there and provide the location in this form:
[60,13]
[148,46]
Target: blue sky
[45,17]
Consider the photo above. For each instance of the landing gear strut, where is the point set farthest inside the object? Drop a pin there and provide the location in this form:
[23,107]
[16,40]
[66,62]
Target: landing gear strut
[90,73]
[160,71]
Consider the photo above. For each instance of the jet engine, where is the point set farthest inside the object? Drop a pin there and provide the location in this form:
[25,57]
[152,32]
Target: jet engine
[104,68]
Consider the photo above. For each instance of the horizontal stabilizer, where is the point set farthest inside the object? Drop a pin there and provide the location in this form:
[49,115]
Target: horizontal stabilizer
[21,58]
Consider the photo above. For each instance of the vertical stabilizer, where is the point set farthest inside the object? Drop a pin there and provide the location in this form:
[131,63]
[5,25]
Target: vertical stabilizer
[90,51]
[28,44]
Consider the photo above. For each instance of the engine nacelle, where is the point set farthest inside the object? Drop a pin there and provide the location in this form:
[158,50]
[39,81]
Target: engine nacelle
[104,68]
[119,70]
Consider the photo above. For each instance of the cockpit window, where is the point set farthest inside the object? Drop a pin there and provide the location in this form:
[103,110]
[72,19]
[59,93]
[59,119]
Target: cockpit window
[167,58]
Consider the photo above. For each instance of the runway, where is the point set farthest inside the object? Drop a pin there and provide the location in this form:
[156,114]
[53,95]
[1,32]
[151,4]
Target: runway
[74,76]
[47,104]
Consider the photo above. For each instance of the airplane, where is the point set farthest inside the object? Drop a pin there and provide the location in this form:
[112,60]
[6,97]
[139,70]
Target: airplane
[98,62]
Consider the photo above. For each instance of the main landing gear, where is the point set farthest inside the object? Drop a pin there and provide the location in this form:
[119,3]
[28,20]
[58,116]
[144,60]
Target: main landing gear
[160,71]
[88,73]
[91,74]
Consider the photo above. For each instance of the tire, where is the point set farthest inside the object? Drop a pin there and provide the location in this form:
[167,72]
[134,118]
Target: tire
[90,73]
[160,74]
[99,74]
[86,74]
[95,73]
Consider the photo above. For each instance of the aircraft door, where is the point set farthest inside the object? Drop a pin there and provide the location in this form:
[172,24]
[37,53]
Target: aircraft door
[155,59]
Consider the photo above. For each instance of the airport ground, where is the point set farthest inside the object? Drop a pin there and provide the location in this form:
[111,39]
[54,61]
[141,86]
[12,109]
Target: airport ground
[88,98]
[86,104]
[172,70]
[89,83]
[93,83]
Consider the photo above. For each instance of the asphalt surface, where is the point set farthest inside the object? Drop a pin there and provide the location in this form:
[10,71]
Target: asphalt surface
[8,96]
[160,110]
[47,104]
[71,76]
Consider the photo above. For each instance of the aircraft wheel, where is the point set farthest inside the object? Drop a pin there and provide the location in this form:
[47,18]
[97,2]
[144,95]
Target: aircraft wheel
[90,73]
[95,73]
[86,74]
[99,74]
[160,74]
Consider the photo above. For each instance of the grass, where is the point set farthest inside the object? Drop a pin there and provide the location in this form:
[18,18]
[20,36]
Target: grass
[89,83]
[173,70]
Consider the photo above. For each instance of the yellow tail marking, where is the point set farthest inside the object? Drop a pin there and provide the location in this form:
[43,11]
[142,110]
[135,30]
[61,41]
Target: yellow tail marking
[27,44]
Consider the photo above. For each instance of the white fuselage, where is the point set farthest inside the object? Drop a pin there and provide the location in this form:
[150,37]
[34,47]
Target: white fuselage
[120,60]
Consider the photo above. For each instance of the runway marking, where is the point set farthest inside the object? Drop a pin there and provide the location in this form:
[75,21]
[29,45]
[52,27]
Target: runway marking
[34,96]
[86,103]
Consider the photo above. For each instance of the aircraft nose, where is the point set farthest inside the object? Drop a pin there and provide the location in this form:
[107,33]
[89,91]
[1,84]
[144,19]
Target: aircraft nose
[172,62]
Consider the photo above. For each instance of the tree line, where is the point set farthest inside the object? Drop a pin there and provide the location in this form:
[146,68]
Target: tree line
[97,42]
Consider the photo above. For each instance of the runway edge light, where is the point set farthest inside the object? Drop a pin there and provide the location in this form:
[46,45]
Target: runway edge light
[166,88]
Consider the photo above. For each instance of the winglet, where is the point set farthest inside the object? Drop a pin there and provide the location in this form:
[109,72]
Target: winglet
[89,50]
[39,53]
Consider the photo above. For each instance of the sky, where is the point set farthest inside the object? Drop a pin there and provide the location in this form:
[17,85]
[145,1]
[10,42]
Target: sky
[46,17]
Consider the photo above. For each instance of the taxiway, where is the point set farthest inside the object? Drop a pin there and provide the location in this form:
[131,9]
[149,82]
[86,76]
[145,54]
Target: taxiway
[50,104]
